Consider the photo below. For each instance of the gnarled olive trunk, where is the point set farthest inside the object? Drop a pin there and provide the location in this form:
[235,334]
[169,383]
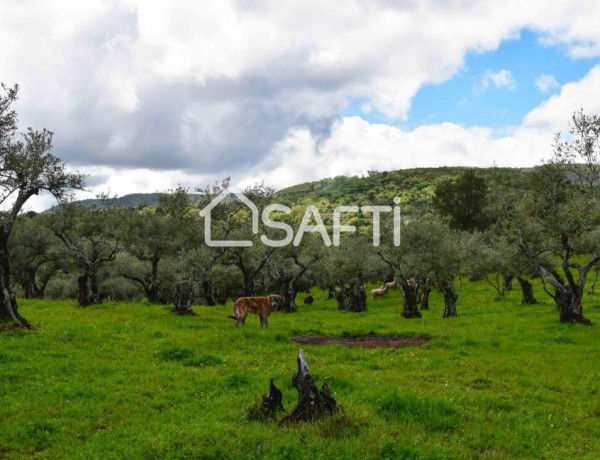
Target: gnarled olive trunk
[527,290]
[450,297]
[568,288]
[424,291]
[152,291]
[410,292]
[352,298]
[183,295]
[288,292]
[570,308]
[88,289]
[9,310]
[249,286]
[207,292]
[507,280]
[30,289]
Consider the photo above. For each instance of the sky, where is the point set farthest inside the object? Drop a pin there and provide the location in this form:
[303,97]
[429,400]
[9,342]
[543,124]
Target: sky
[145,95]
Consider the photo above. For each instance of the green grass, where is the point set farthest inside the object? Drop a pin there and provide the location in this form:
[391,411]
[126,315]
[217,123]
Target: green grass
[135,381]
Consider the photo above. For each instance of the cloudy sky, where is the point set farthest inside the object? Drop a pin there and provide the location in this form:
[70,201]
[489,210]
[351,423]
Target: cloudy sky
[143,95]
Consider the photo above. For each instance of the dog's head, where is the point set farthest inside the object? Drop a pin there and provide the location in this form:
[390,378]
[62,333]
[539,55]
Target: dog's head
[276,302]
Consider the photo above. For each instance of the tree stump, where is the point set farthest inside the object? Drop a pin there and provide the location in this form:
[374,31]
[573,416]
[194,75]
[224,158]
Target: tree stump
[183,295]
[312,403]
[272,401]
[271,404]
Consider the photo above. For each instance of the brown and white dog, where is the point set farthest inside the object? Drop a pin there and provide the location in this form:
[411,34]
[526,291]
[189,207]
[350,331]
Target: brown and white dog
[261,306]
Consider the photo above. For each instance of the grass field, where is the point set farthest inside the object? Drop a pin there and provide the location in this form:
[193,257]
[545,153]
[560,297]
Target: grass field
[135,381]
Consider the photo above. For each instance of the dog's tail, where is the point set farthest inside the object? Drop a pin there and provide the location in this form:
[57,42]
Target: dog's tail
[232,317]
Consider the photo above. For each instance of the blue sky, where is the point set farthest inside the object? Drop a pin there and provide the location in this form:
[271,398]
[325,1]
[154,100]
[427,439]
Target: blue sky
[462,100]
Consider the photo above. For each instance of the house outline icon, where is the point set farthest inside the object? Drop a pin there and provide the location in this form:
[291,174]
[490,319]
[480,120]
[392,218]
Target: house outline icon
[206,213]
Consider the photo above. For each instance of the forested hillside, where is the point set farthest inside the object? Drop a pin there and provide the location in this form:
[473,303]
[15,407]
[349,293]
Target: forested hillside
[415,187]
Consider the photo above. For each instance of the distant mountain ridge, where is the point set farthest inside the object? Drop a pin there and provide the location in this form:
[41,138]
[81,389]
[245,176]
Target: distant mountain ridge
[415,186]
[132,200]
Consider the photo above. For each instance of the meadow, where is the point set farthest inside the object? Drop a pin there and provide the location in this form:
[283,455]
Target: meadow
[132,380]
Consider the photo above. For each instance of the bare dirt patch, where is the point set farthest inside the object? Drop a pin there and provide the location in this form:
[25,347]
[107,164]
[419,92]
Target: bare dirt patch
[361,341]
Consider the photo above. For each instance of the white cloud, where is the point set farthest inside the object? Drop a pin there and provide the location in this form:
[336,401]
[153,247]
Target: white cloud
[500,79]
[552,115]
[546,83]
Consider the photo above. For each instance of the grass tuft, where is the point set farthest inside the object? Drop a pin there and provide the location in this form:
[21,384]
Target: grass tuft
[411,410]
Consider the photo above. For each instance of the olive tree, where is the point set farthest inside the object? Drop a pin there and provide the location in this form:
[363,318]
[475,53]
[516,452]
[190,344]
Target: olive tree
[91,238]
[291,263]
[149,238]
[27,167]
[36,255]
[348,267]
[565,205]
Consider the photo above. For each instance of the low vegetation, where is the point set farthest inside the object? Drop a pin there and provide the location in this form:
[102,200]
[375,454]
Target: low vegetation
[135,379]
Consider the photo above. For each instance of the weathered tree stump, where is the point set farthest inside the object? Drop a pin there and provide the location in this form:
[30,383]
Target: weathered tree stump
[183,295]
[352,299]
[272,401]
[271,404]
[312,403]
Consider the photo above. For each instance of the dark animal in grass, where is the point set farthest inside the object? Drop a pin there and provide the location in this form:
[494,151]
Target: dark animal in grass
[261,306]
[308,300]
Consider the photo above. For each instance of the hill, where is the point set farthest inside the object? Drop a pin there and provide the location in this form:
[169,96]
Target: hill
[415,187]
[132,200]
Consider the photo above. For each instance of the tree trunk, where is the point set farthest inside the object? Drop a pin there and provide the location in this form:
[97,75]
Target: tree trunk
[424,291]
[570,308]
[527,290]
[507,280]
[410,291]
[593,286]
[249,286]
[152,292]
[9,310]
[88,289]
[352,299]
[183,295]
[84,291]
[450,298]
[312,403]
[207,292]
[330,293]
[30,290]
[288,292]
